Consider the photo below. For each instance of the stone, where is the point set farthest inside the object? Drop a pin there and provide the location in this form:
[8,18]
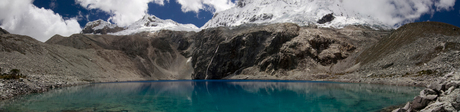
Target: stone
[326,18]
[419,103]
[406,107]
[456,105]
[427,92]
[399,110]
[448,91]
[452,84]
[439,109]
[457,99]
[437,87]
[431,97]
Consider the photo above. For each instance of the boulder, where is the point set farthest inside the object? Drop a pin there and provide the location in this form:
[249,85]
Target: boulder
[431,97]
[452,84]
[456,103]
[427,92]
[406,108]
[326,18]
[419,103]
[438,87]
[439,109]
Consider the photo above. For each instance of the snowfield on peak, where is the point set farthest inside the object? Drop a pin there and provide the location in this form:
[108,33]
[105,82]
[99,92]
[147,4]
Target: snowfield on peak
[151,23]
[99,24]
[301,12]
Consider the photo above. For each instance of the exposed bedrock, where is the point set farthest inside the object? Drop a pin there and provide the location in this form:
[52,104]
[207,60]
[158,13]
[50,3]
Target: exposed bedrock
[222,52]
[218,55]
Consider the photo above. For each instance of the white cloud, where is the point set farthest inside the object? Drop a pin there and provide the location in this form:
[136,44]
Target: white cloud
[397,12]
[207,5]
[445,5]
[124,12]
[22,17]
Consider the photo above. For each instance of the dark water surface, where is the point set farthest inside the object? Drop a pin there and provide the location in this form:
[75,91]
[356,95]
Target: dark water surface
[215,96]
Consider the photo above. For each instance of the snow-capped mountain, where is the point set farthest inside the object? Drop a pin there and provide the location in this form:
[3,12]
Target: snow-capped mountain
[151,23]
[101,27]
[302,12]
[148,23]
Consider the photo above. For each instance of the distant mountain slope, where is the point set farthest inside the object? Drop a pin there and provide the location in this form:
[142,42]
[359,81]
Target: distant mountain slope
[423,49]
[154,55]
[406,35]
[148,23]
[301,12]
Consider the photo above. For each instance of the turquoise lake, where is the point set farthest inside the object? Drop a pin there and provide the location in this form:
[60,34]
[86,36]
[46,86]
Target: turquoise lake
[215,96]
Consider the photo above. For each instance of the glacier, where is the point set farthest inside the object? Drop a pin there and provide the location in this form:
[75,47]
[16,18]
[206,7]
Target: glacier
[301,12]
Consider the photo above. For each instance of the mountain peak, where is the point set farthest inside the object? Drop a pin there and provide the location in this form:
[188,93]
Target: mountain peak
[148,23]
[301,12]
[101,27]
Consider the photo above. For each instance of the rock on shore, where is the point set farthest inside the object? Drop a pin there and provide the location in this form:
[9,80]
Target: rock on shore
[439,96]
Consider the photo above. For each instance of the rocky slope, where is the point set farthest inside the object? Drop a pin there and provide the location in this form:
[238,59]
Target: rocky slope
[80,59]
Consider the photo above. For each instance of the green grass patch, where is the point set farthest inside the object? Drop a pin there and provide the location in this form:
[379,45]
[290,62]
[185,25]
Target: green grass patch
[13,74]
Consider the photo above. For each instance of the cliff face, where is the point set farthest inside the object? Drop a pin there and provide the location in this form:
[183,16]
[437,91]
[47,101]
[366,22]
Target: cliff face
[272,51]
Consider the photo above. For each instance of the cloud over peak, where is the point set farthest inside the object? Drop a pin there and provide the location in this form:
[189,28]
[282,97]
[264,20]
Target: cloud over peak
[123,12]
[207,5]
[397,12]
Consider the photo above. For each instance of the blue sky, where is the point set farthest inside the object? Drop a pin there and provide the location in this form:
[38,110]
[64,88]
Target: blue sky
[451,17]
[42,19]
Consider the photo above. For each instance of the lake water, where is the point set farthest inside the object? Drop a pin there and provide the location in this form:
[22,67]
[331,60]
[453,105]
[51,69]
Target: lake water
[215,96]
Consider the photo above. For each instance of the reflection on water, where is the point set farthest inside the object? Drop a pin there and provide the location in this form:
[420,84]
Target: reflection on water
[219,96]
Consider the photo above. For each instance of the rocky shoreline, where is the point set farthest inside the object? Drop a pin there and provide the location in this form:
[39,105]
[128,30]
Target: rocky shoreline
[442,95]
[32,84]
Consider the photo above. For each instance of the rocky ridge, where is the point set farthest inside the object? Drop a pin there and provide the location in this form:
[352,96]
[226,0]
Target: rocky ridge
[100,27]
